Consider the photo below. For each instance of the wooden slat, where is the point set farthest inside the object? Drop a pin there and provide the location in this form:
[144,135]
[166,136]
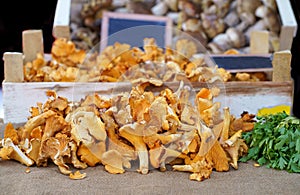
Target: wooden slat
[287,16]
[13,67]
[32,44]
[259,42]
[61,24]
[282,66]
[289,24]
[239,96]
[286,37]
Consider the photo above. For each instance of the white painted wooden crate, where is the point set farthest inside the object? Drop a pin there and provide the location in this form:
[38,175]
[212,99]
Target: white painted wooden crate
[19,96]
[238,96]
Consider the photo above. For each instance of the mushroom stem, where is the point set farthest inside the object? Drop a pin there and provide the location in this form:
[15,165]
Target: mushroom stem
[114,139]
[75,161]
[166,139]
[143,156]
[226,124]
[36,121]
[233,139]
[171,154]
[139,145]
[187,168]
[16,154]
[186,127]
[158,156]
[207,139]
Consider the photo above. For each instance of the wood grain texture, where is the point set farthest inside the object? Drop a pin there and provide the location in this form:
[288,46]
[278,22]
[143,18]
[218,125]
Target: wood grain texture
[238,96]
[282,66]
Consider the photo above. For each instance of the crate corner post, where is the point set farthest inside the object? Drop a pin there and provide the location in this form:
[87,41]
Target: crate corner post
[32,44]
[61,24]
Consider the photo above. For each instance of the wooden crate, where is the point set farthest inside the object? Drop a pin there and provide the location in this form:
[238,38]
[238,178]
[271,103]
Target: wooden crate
[19,96]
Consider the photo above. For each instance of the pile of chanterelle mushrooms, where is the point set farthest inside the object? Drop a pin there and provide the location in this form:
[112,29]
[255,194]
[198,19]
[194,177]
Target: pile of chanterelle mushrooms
[184,61]
[156,129]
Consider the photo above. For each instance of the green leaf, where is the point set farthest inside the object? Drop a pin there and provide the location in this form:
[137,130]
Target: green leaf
[293,120]
[262,161]
[281,130]
[296,158]
[298,145]
[292,144]
[274,164]
[282,139]
[282,163]
[270,145]
[284,149]
[261,143]
[247,137]
[272,155]
[295,168]
[252,152]
[244,159]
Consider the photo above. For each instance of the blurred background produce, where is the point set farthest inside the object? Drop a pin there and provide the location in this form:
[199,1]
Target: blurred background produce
[218,24]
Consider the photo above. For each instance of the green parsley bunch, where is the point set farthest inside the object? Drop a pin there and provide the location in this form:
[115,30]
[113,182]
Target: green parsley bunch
[275,142]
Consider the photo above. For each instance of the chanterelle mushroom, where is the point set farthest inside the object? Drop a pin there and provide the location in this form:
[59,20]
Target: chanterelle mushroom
[86,126]
[54,124]
[133,133]
[36,121]
[11,132]
[114,140]
[10,151]
[56,149]
[33,151]
[158,113]
[89,133]
[218,156]
[114,162]
[200,170]
[121,109]
[159,154]
[233,146]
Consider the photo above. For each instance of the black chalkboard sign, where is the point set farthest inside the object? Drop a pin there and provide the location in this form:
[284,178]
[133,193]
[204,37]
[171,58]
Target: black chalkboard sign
[245,63]
[133,28]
